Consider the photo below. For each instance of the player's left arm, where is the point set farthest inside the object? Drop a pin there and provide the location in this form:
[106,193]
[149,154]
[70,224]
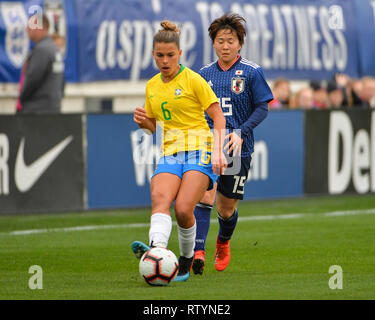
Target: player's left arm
[260,113]
[234,140]
[261,95]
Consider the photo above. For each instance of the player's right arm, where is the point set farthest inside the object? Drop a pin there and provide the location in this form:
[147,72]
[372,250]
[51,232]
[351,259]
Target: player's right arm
[140,117]
[143,116]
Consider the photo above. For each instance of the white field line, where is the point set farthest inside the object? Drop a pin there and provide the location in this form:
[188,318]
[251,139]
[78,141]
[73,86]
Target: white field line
[144,225]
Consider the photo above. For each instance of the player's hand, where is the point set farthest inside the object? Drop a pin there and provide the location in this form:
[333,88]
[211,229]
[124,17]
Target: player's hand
[147,124]
[140,116]
[342,79]
[234,144]
[219,162]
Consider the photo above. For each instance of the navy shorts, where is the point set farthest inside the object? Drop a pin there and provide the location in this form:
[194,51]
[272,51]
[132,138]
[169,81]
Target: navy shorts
[233,186]
[181,162]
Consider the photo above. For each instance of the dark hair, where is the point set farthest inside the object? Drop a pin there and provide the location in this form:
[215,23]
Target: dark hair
[332,86]
[170,33]
[45,20]
[230,21]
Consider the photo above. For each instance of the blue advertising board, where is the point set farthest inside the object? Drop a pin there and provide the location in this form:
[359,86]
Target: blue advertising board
[118,165]
[299,40]
[121,159]
[14,42]
[277,166]
[365,13]
[112,39]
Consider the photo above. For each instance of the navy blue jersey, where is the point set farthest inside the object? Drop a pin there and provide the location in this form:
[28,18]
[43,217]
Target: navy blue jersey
[243,93]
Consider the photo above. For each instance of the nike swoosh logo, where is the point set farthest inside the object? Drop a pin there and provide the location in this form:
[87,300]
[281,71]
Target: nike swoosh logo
[27,175]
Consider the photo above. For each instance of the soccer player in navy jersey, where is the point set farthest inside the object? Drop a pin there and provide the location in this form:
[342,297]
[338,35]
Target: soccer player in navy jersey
[244,94]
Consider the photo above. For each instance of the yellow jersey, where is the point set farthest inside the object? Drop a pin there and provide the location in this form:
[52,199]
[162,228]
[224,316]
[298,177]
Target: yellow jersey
[178,107]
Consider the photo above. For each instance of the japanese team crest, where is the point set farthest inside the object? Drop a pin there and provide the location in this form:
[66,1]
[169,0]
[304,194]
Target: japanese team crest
[238,85]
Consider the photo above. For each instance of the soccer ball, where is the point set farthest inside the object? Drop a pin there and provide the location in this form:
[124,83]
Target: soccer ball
[158,266]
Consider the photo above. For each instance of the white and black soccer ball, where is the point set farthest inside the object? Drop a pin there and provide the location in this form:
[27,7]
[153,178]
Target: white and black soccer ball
[158,266]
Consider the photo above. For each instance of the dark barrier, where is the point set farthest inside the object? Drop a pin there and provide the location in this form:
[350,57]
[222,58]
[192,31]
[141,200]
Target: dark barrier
[340,152]
[41,164]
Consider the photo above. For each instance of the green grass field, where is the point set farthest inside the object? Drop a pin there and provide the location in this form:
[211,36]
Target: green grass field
[281,249]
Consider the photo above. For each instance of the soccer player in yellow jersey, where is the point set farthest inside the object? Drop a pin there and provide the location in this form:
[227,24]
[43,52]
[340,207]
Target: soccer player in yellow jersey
[176,100]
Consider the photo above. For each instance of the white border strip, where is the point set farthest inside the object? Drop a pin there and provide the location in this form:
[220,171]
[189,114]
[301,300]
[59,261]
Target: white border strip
[144,225]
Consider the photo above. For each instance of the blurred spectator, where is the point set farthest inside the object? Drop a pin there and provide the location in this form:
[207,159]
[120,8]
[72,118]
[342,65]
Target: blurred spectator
[60,43]
[320,99]
[281,93]
[343,82]
[355,91]
[368,91]
[335,95]
[22,80]
[303,99]
[59,40]
[43,75]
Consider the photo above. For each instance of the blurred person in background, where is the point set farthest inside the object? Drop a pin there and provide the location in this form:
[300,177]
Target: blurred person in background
[60,43]
[43,72]
[355,91]
[281,93]
[368,92]
[343,82]
[335,95]
[320,98]
[303,99]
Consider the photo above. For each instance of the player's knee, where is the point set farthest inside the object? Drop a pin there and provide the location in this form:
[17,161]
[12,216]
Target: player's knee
[226,206]
[208,199]
[226,211]
[160,199]
[225,214]
[182,208]
[184,213]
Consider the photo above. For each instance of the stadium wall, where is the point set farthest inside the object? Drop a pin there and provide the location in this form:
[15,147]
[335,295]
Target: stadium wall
[98,161]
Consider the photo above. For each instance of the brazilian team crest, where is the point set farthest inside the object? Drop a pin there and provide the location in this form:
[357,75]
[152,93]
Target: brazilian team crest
[238,85]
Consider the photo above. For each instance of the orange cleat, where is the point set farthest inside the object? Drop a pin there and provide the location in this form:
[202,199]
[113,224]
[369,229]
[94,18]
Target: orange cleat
[199,261]
[222,255]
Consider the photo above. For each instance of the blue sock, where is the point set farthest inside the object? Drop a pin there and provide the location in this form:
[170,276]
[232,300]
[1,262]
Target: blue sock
[227,226]
[202,214]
